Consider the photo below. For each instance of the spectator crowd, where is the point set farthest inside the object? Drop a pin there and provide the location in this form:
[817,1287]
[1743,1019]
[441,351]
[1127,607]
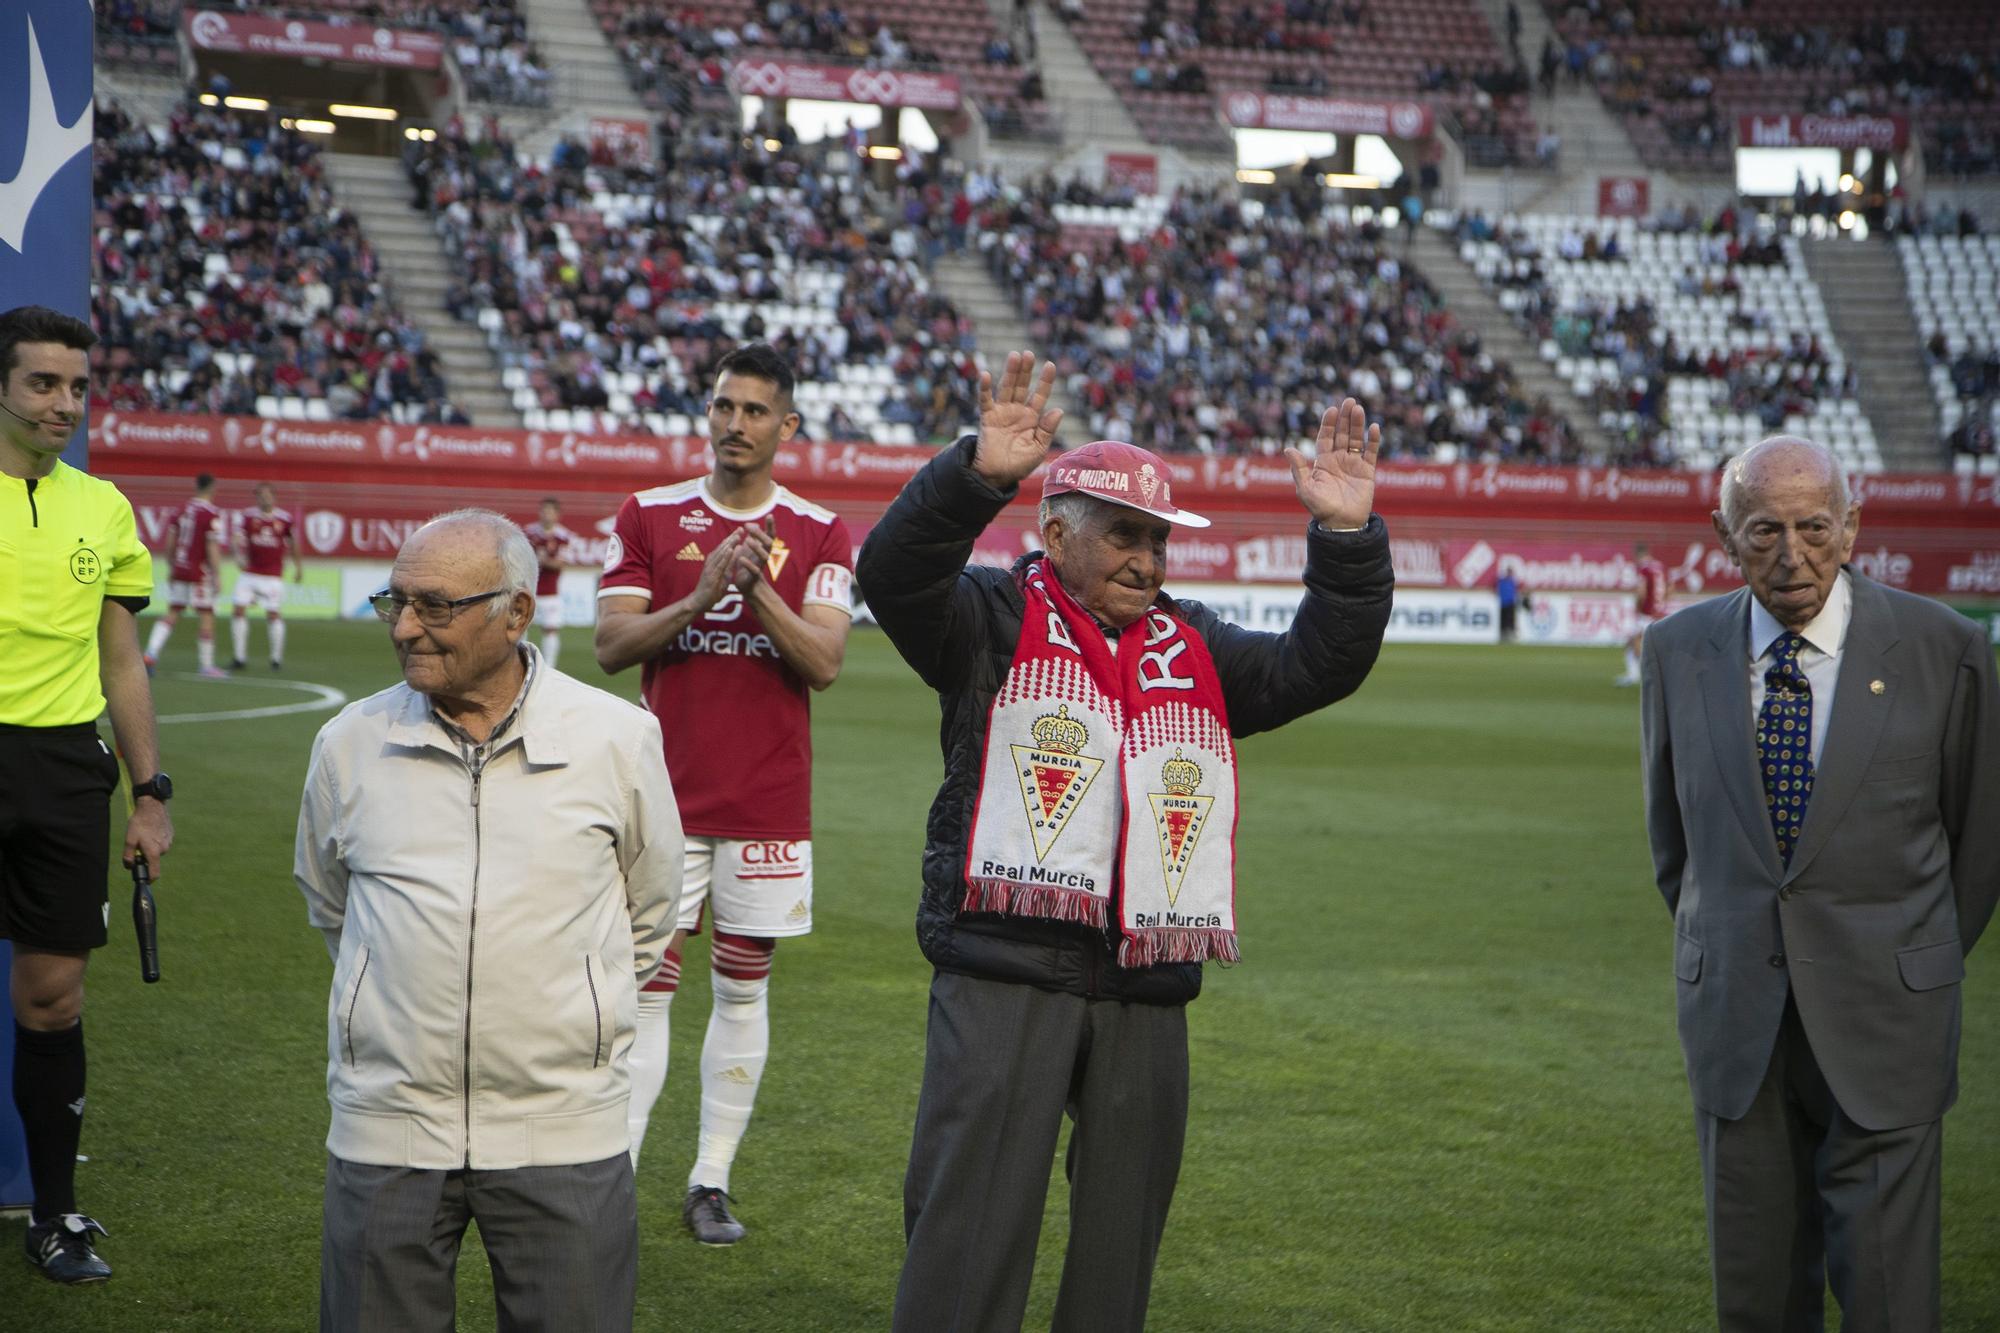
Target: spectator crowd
[227,272]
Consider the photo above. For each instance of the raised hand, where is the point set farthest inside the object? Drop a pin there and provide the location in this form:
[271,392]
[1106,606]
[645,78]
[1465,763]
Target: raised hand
[1337,485]
[1016,423]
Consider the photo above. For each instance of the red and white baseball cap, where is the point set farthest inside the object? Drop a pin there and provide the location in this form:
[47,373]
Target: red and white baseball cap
[1121,474]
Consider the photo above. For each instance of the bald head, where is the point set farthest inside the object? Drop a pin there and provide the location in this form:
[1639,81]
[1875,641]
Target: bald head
[1781,457]
[479,536]
[1789,524]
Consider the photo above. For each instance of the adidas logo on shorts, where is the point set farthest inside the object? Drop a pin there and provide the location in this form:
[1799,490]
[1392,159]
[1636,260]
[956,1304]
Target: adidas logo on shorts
[690,552]
[798,912]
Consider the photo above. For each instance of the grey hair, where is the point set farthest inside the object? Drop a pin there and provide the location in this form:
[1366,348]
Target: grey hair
[1736,475]
[1074,508]
[518,565]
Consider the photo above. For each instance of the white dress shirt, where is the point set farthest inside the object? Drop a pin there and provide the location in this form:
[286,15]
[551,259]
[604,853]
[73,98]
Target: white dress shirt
[1825,638]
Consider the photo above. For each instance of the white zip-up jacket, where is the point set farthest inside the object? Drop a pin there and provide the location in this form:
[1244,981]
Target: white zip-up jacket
[491,917]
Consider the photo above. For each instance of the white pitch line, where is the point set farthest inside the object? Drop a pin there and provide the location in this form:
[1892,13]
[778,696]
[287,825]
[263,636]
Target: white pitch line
[324,697]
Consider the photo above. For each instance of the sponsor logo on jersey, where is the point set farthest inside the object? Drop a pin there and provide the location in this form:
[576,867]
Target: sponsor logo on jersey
[1054,774]
[697,520]
[725,643]
[689,552]
[1180,816]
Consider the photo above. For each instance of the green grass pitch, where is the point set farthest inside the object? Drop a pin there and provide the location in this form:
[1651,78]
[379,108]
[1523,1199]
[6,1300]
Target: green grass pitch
[1442,1092]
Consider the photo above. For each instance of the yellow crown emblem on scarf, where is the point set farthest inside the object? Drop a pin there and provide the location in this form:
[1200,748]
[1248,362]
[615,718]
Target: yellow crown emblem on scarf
[1182,776]
[1060,731]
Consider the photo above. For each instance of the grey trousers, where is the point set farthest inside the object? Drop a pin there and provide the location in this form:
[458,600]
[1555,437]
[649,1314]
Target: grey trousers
[1002,1062]
[563,1242]
[1799,1196]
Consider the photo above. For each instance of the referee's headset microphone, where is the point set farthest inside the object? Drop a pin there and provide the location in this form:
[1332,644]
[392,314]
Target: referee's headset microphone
[32,421]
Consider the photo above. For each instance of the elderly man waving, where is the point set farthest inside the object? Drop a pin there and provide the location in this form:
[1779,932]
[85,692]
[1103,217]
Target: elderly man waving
[1079,866]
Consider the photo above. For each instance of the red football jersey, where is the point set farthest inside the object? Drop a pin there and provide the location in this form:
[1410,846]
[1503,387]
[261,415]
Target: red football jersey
[550,544]
[737,720]
[1652,588]
[264,538]
[197,522]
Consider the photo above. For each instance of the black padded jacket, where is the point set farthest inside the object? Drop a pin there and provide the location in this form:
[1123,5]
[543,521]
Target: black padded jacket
[958,627]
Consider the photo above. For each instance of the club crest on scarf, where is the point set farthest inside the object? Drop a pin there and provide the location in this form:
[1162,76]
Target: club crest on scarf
[1055,775]
[1116,854]
[1180,815]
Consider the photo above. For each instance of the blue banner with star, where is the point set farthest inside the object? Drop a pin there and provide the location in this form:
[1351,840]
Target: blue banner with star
[46,48]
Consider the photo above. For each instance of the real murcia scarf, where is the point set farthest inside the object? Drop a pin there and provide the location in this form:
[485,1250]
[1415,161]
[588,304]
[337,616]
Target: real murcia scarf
[1151,844]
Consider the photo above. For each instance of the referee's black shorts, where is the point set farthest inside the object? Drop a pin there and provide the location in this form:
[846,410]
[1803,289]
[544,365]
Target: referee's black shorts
[55,836]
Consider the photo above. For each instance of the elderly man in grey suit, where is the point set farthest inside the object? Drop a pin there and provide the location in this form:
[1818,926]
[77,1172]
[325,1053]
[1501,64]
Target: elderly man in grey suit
[1822,784]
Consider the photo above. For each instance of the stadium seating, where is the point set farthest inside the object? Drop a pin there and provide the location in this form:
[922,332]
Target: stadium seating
[1439,50]
[281,315]
[489,38]
[139,33]
[1694,342]
[607,294]
[1204,324]
[1954,290]
[1683,74]
[677,53]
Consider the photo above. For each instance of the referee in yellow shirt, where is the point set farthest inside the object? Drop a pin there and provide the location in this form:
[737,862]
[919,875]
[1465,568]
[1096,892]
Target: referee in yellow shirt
[73,578]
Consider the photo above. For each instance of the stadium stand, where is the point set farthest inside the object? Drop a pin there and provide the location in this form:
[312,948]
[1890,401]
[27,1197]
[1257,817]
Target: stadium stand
[677,55]
[607,293]
[230,280]
[139,33]
[1692,338]
[1167,60]
[489,40]
[1205,323]
[1680,75]
[1954,290]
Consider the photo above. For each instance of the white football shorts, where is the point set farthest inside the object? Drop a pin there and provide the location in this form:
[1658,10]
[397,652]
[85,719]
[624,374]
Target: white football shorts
[264,590]
[200,596]
[761,887]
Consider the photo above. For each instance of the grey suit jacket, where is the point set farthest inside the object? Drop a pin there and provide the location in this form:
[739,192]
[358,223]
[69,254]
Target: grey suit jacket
[1896,872]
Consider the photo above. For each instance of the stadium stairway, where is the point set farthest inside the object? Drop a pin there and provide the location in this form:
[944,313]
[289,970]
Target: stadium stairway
[1594,143]
[418,272]
[996,323]
[1094,122]
[589,79]
[1436,256]
[1863,288]
[147,97]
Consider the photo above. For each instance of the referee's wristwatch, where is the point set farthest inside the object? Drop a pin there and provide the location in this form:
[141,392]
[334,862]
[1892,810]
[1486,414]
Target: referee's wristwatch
[160,787]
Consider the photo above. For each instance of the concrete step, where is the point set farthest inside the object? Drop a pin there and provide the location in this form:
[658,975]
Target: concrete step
[1437,258]
[1862,285]
[415,267]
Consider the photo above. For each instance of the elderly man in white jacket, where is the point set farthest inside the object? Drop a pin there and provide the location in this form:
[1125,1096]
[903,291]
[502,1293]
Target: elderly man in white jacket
[494,854]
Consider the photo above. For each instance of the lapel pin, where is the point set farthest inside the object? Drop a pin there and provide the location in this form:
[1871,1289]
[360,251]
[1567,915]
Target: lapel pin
[1876,687]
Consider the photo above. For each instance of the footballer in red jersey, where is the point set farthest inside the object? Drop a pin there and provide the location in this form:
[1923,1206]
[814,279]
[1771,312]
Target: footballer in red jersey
[734,594]
[264,537]
[551,541]
[194,564]
[1652,606]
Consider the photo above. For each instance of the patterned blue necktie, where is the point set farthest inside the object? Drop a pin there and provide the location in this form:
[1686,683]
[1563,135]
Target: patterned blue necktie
[1784,742]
